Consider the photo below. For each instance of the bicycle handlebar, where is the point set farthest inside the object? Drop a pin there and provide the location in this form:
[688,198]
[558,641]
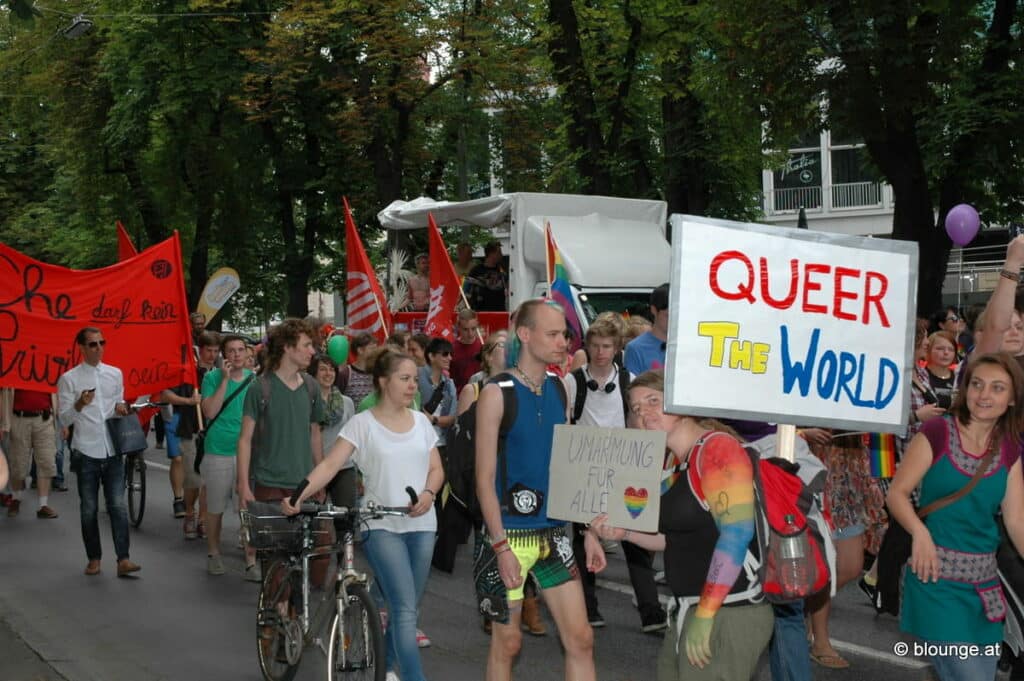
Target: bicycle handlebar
[413,497]
[331,512]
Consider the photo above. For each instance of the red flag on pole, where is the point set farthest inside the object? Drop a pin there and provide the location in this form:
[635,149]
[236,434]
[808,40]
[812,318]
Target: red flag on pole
[445,292]
[367,307]
[125,247]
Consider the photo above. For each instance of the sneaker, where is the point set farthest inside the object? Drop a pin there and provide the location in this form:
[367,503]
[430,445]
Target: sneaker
[653,621]
[46,513]
[13,507]
[869,590]
[391,676]
[422,640]
[125,568]
[190,528]
[595,619]
[201,530]
[214,565]
[179,508]
[159,445]
[253,573]
[60,486]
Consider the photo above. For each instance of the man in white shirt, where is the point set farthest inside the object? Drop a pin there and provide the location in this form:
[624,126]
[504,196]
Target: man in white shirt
[597,393]
[87,396]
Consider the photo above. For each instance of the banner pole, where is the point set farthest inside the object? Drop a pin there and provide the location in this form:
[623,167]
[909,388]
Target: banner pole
[786,441]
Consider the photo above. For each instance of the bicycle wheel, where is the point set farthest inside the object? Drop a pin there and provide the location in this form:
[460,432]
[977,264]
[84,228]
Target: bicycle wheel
[278,627]
[356,647]
[135,483]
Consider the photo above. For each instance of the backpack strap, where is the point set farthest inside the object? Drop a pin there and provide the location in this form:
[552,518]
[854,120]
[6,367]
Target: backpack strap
[624,391]
[581,395]
[510,409]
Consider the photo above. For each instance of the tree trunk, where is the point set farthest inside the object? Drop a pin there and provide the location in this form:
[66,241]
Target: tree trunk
[144,203]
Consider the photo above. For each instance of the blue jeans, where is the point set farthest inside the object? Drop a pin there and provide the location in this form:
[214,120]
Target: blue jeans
[788,653]
[401,564]
[964,667]
[108,472]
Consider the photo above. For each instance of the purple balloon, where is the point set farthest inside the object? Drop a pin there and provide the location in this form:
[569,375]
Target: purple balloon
[962,223]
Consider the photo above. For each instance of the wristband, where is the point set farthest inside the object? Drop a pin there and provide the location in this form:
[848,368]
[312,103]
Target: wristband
[503,542]
[498,552]
[1012,276]
[431,492]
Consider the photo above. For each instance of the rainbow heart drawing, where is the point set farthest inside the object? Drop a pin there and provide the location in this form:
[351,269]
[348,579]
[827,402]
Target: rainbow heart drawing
[636,500]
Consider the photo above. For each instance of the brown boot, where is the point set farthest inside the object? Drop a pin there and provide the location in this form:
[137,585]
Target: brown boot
[532,621]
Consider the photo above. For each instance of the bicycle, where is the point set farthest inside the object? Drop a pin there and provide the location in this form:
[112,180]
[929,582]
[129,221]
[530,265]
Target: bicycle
[135,475]
[285,626]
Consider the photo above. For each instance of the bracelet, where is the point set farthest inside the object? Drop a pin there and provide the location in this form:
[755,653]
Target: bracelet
[500,543]
[433,495]
[498,552]
[1012,276]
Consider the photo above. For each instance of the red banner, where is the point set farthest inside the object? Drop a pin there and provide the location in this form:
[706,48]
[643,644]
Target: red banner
[367,307]
[139,304]
[445,290]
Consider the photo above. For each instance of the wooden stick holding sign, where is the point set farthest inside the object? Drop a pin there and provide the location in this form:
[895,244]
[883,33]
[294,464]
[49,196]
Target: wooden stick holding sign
[786,442]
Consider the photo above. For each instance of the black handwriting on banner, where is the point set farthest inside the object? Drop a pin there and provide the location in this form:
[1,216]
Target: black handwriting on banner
[28,364]
[122,312]
[32,278]
[160,373]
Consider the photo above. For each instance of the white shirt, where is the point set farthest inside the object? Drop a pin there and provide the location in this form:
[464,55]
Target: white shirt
[599,408]
[91,436]
[390,462]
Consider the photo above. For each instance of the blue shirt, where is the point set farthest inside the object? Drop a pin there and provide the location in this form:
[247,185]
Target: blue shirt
[645,352]
[528,457]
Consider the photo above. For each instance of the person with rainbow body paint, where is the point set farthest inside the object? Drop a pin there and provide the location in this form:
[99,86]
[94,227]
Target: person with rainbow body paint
[715,629]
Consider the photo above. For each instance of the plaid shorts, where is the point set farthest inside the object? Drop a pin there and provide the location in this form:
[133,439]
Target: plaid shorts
[546,554]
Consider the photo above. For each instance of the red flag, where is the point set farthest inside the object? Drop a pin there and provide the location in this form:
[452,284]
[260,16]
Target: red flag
[367,307]
[445,292]
[125,247]
[139,304]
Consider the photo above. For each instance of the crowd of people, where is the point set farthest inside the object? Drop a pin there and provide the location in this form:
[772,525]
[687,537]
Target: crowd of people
[263,422]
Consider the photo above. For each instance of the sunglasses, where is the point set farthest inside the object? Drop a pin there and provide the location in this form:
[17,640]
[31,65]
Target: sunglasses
[446,353]
[96,344]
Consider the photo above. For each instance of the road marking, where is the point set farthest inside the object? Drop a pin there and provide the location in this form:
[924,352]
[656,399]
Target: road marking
[158,466]
[843,646]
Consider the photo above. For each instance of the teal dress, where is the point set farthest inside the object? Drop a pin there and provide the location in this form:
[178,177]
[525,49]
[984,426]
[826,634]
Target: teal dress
[966,604]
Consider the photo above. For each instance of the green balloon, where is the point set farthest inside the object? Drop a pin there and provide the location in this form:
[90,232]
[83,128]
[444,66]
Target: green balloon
[337,349]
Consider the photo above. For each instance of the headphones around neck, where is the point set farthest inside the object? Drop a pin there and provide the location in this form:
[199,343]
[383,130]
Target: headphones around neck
[592,384]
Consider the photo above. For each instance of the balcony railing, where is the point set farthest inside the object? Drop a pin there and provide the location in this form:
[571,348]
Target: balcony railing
[795,198]
[856,195]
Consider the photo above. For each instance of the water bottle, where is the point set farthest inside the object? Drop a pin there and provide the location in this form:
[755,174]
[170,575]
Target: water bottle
[792,566]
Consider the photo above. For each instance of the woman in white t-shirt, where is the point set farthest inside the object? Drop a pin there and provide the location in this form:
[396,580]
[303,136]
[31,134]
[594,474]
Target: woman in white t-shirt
[394,447]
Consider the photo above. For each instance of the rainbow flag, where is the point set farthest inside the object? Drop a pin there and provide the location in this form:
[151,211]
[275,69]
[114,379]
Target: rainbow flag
[560,291]
[882,454]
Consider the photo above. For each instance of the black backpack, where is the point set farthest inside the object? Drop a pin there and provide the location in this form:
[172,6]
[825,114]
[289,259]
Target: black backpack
[460,452]
[581,393]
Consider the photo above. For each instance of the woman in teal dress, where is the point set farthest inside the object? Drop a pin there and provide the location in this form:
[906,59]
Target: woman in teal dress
[952,598]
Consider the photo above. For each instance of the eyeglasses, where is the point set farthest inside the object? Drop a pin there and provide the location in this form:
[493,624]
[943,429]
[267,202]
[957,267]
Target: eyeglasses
[96,344]
[952,318]
[652,402]
[445,353]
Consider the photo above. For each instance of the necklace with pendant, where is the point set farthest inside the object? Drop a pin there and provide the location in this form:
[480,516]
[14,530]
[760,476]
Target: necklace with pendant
[537,392]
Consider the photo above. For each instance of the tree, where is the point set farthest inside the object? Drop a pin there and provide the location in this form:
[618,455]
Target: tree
[931,88]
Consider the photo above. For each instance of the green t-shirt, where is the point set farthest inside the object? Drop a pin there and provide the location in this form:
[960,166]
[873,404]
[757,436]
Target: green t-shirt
[222,437]
[371,400]
[281,453]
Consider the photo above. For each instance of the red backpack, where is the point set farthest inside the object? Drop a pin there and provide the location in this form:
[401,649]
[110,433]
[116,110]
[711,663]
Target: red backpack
[780,494]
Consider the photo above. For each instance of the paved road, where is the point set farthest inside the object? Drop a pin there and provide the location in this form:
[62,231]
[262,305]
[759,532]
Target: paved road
[177,622]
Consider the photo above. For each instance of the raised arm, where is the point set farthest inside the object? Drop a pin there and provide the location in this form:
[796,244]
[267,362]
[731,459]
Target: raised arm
[999,310]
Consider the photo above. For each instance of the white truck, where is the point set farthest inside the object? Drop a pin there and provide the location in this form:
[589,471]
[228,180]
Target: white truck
[614,250]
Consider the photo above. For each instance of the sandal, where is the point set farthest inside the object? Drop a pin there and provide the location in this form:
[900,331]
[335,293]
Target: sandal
[830,660]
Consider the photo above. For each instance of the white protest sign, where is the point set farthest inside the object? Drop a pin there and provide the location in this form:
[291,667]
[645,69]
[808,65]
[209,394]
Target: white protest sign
[790,326]
[606,470]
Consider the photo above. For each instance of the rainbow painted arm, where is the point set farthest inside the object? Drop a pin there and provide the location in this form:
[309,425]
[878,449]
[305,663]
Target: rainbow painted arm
[727,480]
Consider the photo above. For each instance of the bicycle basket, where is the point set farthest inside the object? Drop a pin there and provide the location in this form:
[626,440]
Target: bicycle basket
[267,529]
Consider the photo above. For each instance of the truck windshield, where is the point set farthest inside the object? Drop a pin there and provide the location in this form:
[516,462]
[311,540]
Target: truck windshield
[596,302]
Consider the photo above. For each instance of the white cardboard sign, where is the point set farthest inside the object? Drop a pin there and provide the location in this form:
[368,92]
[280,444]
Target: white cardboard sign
[606,470]
[790,326]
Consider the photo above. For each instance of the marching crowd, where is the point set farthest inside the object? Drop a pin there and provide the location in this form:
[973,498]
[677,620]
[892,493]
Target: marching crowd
[262,420]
